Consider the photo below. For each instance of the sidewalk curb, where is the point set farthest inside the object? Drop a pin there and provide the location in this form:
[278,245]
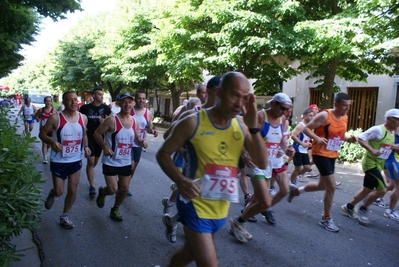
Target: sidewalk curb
[30,246]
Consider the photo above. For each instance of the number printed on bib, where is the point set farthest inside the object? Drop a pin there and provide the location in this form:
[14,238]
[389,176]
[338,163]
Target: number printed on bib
[272,149]
[385,150]
[70,148]
[220,183]
[123,151]
[334,143]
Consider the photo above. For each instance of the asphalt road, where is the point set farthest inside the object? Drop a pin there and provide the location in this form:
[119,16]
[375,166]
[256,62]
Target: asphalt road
[296,239]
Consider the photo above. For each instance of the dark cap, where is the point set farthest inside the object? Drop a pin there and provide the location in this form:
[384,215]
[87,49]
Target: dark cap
[124,95]
[214,82]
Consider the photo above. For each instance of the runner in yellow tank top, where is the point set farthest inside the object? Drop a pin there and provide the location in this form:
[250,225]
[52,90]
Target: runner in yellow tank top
[217,160]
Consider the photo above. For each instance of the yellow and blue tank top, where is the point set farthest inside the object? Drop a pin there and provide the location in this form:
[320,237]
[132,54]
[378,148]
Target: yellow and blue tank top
[210,145]
[394,157]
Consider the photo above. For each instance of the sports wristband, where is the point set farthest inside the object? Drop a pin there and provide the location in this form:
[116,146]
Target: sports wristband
[254,130]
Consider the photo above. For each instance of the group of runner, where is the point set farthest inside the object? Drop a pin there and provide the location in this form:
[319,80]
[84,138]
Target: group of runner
[90,129]
[207,183]
[226,119]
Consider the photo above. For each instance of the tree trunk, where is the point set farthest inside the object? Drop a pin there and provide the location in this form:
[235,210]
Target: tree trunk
[176,93]
[328,84]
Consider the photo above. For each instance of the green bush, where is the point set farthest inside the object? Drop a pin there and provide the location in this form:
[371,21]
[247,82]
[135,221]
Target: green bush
[19,193]
[349,152]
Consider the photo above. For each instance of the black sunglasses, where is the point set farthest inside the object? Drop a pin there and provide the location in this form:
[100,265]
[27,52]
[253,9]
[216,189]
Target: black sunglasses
[282,107]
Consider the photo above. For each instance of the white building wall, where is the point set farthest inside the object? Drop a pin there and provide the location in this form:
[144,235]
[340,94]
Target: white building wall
[298,89]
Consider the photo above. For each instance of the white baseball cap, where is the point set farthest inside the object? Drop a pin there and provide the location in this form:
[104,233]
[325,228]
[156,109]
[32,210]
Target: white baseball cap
[394,112]
[281,98]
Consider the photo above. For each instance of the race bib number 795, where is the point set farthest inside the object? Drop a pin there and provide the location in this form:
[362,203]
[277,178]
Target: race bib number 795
[220,183]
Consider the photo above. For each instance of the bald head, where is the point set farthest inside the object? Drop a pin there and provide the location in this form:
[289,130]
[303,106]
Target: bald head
[201,93]
[230,79]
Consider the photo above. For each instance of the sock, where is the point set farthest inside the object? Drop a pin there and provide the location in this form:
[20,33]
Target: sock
[169,203]
[240,220]
[350,206]
[247,195]
[363,208]
[297,193]
[326,216]
[300,189]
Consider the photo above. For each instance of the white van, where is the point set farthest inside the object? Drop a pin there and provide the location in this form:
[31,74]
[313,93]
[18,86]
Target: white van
[36,96]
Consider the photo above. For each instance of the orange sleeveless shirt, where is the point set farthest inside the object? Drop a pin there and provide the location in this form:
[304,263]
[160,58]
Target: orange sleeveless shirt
[332,129]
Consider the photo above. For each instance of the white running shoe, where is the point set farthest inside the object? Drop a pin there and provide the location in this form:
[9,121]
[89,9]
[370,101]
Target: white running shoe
[239,230]
[380,203]
[350,212]
[329,225]
[391,214]
[362,217]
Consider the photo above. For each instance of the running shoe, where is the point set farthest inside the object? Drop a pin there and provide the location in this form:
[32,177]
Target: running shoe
[350,212]
[391,214]
[171,229]
[362,217]
[115,215]
[338,183]
[128,193]
[380,203]
[300,178]
[92,192]
[292,193]
[49,201]
[45,160]
[239,230]
[329,225]
[251,219]
[100,198]
[272,191]
[247,199]
[65,222]
[166,208]
[269,216]
[312,174]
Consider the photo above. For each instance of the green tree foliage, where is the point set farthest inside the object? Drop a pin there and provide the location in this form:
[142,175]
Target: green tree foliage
[339,38]
[74,65]
[169,45]
[19,23]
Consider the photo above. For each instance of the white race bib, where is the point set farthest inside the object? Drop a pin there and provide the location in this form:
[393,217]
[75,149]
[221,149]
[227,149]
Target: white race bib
[272,149]
[123,151]
[70,148]
[220,183]
[334,144]
[385,150]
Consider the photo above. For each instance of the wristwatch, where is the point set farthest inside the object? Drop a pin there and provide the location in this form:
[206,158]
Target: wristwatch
[253,130]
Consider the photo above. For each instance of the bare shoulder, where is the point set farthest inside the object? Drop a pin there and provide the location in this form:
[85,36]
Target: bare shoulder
[53,119]
[186,125]
[84,117]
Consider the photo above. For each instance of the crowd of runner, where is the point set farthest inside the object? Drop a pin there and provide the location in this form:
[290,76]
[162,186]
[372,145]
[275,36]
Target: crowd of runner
[215,142]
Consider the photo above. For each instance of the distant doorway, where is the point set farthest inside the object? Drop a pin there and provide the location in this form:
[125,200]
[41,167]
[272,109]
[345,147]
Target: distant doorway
[364,107]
